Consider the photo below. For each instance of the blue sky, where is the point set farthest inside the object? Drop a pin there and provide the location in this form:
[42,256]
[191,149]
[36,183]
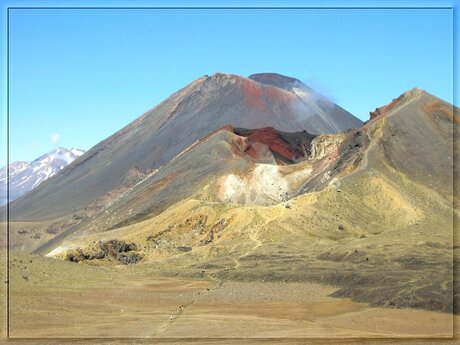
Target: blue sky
[77,76]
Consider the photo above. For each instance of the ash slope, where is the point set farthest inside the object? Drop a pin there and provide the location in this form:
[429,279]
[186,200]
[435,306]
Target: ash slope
[370,210]
[152,140]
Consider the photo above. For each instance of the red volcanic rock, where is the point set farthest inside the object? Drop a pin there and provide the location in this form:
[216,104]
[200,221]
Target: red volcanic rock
[277,95]
[252,152]
[383,110]
[257,151]
[289,147]
[440,108]
[253,94]
[256,94]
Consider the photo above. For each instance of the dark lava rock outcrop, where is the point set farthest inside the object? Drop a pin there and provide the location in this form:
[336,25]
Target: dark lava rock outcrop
[124,252]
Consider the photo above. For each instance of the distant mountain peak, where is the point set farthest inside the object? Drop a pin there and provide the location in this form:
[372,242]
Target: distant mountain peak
[25,176]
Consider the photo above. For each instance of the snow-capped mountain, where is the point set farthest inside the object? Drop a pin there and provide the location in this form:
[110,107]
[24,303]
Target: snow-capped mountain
[26,176]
